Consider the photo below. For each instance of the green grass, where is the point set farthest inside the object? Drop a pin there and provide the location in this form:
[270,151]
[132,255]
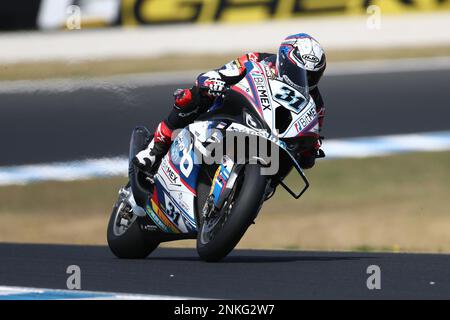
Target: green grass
[395,203]
[109,67]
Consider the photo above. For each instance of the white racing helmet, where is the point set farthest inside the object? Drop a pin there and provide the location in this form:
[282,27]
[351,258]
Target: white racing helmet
[304,51]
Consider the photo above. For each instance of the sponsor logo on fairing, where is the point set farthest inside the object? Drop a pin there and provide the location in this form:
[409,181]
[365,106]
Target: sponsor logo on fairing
[305,119]
[182,202]
[156,219]
[176,216]
[260,84]
[173,177]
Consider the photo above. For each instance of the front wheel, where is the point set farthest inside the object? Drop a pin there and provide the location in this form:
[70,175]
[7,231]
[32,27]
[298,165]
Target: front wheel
[126,239]
[221,232]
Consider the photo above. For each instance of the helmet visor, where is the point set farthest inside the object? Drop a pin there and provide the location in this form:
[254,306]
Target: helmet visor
[292,70]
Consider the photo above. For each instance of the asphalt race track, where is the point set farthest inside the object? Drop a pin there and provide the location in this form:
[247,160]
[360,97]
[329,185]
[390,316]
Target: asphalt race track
[244,274]
[45,126]
[90,123]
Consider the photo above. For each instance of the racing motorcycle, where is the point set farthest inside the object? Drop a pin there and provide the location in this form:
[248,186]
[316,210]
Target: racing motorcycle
[215,203]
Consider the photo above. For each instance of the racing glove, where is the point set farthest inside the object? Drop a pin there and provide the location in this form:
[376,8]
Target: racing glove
[211,84]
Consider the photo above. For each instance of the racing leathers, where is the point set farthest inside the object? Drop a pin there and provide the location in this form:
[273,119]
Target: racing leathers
[190,103]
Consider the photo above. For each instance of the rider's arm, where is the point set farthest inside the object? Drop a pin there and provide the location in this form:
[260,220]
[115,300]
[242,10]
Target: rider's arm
[231,73]
[320,108]
[235,70]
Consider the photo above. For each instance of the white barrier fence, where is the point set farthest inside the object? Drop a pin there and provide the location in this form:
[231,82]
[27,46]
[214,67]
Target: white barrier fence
[412,30]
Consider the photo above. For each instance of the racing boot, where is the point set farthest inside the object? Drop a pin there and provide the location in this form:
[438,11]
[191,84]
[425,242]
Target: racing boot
[147,159]
[184,105]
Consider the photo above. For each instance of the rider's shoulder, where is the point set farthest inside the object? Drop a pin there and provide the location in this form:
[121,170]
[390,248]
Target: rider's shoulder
[255,57]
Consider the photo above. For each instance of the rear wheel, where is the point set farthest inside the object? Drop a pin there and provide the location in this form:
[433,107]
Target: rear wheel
[126,239]
[220,232]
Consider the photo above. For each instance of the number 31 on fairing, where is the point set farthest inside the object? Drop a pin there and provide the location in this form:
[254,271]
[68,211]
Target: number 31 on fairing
[287,96]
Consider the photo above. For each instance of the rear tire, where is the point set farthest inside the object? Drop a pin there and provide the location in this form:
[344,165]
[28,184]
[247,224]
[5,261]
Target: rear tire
[247,204]
[131,244]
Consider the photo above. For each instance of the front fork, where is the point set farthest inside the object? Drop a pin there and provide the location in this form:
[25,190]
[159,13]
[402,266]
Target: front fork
[127,197]
[223,183]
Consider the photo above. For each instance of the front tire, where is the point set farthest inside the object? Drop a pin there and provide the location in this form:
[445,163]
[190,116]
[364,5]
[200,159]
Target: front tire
[245,205]
[130,243]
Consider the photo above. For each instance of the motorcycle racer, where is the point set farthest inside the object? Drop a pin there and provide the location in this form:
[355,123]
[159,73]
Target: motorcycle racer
[296,51]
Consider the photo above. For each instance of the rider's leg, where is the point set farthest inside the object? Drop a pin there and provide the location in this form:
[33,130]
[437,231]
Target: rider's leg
[155,150]
[184,112]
